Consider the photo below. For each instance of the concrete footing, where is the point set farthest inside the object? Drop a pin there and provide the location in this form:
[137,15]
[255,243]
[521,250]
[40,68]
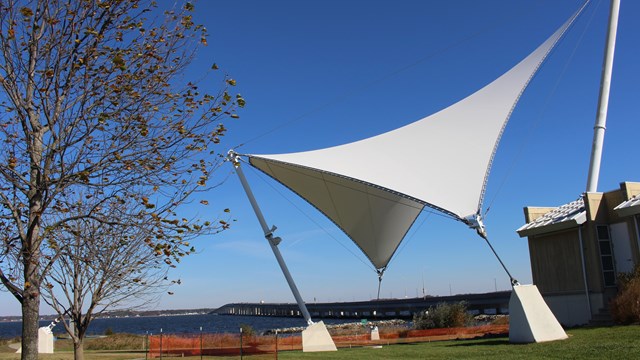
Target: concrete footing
[530,319]
[45,341]
[316,338]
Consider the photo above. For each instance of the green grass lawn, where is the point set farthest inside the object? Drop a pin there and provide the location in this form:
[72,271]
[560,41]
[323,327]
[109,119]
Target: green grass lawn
[619,342]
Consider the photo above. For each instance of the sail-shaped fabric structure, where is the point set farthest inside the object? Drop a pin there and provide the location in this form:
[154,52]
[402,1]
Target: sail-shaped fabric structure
[374,189]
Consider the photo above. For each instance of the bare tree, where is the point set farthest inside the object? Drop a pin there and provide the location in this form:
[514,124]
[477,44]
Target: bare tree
[93,103]
[105,264]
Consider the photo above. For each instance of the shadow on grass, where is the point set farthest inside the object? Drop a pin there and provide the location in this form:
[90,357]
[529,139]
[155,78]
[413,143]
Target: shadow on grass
[492,342]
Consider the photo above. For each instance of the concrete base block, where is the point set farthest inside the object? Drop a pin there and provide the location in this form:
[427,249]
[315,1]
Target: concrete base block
[316,338]
[45,341]
[530,319]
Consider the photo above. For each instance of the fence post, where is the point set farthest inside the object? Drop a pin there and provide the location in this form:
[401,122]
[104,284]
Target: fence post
[160,343]
[146,346]
[240,343]
[276,344]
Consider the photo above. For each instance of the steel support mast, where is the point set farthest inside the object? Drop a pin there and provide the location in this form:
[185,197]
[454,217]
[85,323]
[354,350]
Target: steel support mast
[603,103]
[268,234]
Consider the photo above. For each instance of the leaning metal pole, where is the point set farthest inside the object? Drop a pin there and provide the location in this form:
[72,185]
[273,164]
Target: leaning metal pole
[603,103]
[268,234]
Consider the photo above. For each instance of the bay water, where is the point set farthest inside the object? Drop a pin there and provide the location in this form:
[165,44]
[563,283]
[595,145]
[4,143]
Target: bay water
[176,324]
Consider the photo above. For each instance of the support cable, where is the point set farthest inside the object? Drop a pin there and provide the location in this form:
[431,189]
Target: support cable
[380,273]
[261,177]
[475,223]
[362,87]
[538,119]
[407,240]
[513,280]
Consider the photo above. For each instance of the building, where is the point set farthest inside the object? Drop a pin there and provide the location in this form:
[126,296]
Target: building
[578,249]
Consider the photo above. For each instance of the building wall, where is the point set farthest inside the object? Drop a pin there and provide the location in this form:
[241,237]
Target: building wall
[556,265]
[569,310]
[556,262]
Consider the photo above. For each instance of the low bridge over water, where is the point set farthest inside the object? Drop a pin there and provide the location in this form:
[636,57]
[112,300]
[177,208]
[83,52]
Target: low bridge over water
[487,303]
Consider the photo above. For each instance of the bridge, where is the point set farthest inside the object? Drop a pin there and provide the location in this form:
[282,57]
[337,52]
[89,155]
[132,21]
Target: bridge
[486,303]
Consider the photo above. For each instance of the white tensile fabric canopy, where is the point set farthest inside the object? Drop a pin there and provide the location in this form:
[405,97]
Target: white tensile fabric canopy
[374,189]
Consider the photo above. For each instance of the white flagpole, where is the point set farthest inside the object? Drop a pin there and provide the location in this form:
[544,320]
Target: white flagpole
[603,103]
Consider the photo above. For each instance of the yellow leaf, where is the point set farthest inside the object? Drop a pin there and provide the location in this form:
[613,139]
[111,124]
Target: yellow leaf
[26,12]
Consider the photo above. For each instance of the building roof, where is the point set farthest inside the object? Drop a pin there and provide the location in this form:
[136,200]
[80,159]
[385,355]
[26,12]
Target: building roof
[629,207]
[563,217]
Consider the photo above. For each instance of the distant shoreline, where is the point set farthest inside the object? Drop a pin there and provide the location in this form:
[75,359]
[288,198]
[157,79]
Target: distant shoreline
[122,314]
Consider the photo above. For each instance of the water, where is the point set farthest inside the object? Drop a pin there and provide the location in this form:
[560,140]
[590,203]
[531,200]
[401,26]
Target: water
[175,324]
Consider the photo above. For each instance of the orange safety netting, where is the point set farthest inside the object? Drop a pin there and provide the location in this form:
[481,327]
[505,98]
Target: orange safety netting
[209,344]
[268,346]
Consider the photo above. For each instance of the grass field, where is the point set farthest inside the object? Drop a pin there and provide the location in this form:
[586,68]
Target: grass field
[619,342]
[586,343]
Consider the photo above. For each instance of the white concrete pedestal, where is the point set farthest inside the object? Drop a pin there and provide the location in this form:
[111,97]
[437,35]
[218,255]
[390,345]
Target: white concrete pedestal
[316,338]
[530,319]
[375,334]
[45,341]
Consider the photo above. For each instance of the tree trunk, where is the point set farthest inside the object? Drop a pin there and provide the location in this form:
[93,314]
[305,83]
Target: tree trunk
[30,325]
[31,294]
[78,349]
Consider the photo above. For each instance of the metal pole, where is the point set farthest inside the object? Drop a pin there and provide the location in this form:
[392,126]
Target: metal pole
[200,342]
[276,344]
[584,271]
[240,343]
[160,343]
[273,241]
[513,280]
[603,102]
[635,221]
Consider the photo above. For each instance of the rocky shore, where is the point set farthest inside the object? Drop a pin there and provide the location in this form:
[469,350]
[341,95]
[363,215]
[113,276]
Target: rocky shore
[381,324]
[344,327]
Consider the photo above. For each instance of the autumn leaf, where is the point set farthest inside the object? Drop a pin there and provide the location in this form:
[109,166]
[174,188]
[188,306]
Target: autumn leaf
[118,61]
[26,12]
[240,100]
[204,202]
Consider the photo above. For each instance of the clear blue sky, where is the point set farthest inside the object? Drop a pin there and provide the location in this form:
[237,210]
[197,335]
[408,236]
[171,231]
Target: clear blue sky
[338,71]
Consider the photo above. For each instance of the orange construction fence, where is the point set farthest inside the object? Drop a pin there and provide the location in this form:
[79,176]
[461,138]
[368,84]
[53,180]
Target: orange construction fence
[184,345]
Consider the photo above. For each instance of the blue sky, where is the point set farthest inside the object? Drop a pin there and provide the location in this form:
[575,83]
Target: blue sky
[323,73]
